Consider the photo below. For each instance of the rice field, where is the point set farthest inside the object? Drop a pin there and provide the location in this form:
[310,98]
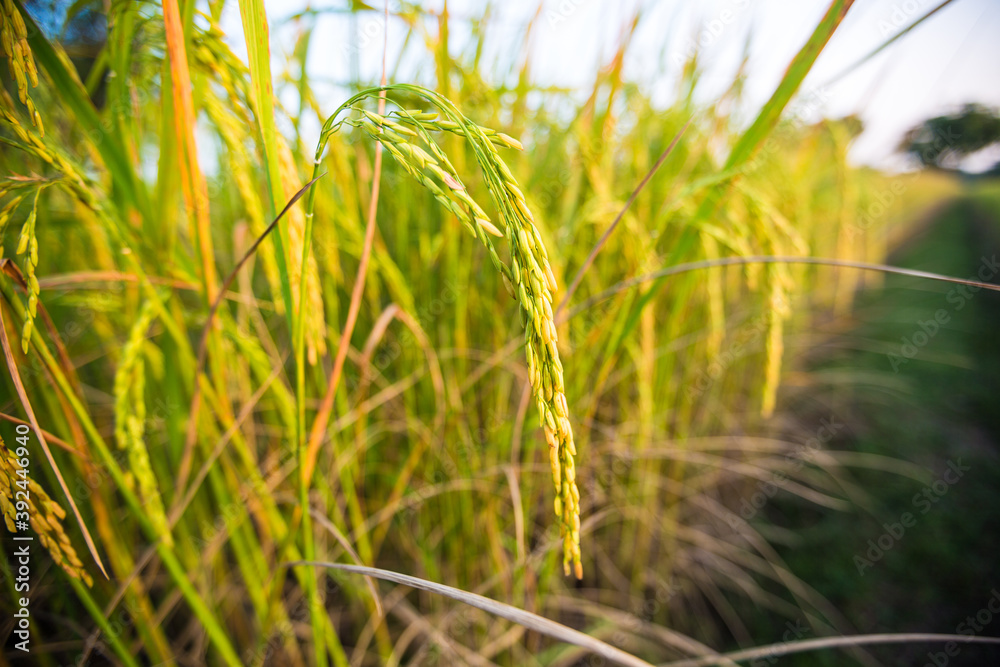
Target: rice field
[466,373]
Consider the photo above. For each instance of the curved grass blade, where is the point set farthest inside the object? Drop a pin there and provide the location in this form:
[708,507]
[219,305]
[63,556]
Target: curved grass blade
[185,121]
[523,618]
[858,63]
[259,59]
[769,259]
[787,648]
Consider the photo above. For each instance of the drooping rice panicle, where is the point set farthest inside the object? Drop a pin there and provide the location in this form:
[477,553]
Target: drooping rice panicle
[130,421]
[27,245]
[45,515]
[7,211]
[20,61]
[529,277]
[777,282]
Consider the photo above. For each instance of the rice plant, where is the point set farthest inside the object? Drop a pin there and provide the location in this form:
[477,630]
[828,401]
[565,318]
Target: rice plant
[257,383]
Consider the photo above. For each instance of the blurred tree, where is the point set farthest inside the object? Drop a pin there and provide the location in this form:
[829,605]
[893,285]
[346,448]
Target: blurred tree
[945,141]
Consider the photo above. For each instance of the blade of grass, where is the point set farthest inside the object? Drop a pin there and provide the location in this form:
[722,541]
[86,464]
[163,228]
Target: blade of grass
[523,618]
[858,63]
[192,179]
[769,115]
[734,261]
[787,648]
[259,53]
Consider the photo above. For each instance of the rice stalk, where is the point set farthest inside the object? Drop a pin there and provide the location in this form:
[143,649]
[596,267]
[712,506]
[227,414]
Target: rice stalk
[192,180]
[258,46]
[312,311]
[777,283]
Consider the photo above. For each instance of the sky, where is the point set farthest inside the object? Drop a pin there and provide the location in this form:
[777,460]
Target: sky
[949,60]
